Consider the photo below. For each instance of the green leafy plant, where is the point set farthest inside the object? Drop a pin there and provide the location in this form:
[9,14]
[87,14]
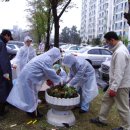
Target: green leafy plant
[62,92]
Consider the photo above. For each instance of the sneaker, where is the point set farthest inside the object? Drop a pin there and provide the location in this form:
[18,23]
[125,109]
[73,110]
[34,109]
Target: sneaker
[119,128]
[97,121]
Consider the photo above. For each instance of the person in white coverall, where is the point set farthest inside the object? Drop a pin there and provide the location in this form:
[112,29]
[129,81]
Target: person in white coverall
[24,55]
[61,72]
[82,77]
[24,94]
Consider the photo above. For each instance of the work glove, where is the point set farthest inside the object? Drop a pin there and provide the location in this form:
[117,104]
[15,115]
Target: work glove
[49,83]
[112,93]
[6,76]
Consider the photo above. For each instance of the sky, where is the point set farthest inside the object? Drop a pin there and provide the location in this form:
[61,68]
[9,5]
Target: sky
[13,13]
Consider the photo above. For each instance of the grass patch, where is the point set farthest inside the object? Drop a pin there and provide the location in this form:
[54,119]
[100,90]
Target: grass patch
[20,119]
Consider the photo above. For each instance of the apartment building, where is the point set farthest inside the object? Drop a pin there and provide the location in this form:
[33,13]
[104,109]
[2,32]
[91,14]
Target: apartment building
[101,16]
[119,23]
[84,20]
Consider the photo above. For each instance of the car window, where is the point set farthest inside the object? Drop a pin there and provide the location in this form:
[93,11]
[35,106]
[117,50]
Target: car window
[73,48]
[80,47]
[82,50]
[94,51]
[105,52]
[11,46]
[18,43]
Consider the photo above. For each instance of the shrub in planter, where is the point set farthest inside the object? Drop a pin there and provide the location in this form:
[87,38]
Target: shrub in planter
[62,92]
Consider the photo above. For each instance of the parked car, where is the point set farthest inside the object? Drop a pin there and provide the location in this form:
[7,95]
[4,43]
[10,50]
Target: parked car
[95,55]
[18,43]
[104,70]
[12,51]
[13,47]
[68,49]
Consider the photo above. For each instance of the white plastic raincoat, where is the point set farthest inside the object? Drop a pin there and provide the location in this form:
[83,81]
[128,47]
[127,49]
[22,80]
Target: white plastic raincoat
[82,76]
[24,94]
[24,55]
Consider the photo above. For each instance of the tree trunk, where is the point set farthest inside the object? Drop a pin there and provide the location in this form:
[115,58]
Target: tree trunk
[56,26]
[56,35]
[47,45]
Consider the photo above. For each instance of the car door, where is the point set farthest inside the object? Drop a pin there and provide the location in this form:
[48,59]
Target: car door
[95,57]
[106,54]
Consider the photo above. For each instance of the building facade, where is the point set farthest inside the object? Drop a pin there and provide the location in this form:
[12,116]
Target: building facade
[101,16]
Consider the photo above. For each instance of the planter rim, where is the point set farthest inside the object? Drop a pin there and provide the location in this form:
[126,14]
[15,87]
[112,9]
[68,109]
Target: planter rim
[62,101]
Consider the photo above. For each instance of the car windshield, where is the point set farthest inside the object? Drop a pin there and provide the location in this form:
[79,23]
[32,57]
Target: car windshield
[82,50]
[11,46]
[64,46]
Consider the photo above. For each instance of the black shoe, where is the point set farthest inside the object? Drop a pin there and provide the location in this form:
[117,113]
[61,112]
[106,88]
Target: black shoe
[97,122]
[35,114]
[3,111]
[119,128]
[82,111]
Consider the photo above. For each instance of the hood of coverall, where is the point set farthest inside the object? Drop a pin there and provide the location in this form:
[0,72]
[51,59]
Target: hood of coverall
[69,60]
[55,54]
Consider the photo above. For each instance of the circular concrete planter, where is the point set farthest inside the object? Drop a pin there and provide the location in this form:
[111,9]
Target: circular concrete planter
[61,113]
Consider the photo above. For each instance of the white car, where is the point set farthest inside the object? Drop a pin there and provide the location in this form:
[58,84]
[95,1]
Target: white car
[95,55]
[18,43]
[104,70]
[70,49]
[12,50]
[13,47]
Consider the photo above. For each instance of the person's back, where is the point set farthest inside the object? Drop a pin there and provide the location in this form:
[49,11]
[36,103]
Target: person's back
[31,78]
[83,62]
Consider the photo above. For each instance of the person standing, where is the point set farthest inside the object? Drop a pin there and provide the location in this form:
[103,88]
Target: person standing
[5,70]
[82,77]
[30,80]
[24,55]
[119,84]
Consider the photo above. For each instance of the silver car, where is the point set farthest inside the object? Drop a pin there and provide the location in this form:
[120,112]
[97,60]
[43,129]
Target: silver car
[104,70]
[95,55]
